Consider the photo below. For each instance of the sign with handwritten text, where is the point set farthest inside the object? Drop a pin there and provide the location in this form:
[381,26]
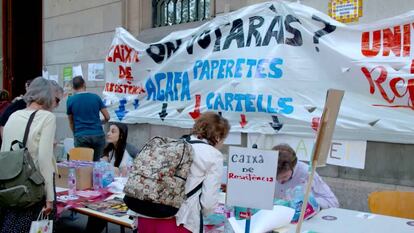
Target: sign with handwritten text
[345,153]
[267,68]
[251,177]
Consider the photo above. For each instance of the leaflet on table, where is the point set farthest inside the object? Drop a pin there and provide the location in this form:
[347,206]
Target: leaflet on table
[114,207]
[265,220]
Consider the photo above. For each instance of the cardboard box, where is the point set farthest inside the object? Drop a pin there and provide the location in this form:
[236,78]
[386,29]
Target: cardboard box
[83,176]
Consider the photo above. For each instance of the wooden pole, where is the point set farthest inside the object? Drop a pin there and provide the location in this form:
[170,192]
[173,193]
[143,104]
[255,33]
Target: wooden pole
[314,163]
[306,198]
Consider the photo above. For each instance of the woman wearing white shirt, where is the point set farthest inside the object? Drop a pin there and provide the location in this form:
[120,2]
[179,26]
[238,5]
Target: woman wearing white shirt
[207,168]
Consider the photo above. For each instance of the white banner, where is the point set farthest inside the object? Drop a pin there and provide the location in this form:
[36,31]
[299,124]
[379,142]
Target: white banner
[267,68]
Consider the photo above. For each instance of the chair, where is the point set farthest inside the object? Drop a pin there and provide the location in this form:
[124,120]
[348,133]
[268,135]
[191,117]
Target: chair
[81,153]
[392,203]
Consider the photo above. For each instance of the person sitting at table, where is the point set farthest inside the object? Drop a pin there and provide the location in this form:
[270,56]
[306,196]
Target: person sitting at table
[120,154]
[291,173]
[117,151]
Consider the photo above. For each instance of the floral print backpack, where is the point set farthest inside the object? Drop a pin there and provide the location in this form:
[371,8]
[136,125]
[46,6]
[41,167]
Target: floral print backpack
[155,185]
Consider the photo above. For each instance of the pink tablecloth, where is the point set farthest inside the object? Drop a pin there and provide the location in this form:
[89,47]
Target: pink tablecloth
[80,202]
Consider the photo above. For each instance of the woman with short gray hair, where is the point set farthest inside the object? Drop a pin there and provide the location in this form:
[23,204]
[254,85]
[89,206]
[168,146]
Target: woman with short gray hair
[43,92]
[41,97]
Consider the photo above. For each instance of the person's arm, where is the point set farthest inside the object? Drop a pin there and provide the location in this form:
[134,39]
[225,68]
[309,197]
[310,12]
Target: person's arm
[323,194]
[45,158]
[71,125]
[70,114]
[105,113]
[211,185]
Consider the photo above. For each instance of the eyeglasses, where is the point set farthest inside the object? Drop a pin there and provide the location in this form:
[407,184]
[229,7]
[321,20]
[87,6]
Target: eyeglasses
[57,100]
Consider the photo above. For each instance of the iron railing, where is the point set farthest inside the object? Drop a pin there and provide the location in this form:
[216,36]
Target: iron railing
[170,12]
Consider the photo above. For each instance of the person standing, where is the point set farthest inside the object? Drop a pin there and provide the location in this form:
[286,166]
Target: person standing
[206,169]
[41,97]
[17,104]
[83,110]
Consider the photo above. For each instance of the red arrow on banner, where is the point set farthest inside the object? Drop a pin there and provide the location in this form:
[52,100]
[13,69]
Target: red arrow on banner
[315,123]
[243,121]
[196,113]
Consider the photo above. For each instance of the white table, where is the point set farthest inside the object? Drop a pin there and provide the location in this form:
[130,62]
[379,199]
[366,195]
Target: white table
[336,220]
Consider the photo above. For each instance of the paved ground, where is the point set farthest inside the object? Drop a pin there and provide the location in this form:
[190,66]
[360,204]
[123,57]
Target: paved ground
[66,225]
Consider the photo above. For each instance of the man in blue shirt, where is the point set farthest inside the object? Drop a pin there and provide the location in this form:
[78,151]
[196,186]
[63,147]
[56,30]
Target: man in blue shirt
[83,112]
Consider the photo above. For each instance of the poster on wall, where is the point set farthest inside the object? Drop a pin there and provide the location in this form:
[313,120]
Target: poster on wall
[54,77]
[266,68]
[77,71]
[96,72]
[67,80]
[345,11]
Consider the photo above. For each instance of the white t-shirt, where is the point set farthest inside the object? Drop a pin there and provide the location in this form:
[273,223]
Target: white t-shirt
[126,159]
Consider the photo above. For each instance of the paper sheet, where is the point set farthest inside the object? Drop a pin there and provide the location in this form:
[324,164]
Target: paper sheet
[265,220]
[54,77]
[96,72]
[45,74]
[59,189]
[77,71]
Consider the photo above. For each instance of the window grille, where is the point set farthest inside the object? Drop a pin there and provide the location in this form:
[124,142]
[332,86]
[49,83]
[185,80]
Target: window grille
[170,12]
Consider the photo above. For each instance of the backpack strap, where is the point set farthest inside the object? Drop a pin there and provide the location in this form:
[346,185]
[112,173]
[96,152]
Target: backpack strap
[188,139]
[26,133]
[192,192]
[29,123]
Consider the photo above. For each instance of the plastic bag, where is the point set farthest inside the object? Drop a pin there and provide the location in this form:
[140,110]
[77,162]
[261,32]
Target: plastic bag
[41,225]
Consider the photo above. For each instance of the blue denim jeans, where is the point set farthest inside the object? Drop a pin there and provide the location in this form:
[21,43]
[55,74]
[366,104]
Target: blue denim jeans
[96,142]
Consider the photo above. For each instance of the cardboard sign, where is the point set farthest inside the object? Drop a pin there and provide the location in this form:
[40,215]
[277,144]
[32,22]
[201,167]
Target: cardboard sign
[327,125]
[346,153]
[251,177]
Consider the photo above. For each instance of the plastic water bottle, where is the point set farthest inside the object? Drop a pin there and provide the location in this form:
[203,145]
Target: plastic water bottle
[72,181]
[228,213]
[97,175]
[108,174]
